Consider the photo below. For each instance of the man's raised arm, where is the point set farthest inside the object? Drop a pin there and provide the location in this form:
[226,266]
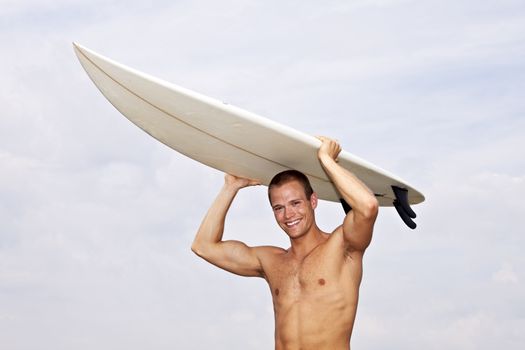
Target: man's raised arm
[232,256]
[359,222]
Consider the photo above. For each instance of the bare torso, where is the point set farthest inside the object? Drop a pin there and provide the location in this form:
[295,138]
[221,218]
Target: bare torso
[315,296]
[315,283]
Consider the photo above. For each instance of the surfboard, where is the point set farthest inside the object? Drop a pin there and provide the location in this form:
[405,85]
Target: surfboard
[228,138]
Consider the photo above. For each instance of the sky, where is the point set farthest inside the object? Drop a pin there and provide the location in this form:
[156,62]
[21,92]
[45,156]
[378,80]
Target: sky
[97,218]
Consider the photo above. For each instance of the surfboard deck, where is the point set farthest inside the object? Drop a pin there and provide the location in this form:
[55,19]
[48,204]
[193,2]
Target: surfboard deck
[226,137]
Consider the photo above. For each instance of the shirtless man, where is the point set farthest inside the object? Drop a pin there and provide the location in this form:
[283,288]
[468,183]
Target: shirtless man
[315,282]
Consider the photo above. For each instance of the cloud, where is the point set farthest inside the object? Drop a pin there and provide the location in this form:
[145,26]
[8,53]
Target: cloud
[97,217]
[506,274]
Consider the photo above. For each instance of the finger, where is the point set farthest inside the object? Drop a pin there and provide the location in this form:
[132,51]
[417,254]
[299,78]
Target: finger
[253,182]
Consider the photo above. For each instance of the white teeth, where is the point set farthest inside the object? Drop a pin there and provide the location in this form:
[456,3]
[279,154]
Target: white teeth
[289,224]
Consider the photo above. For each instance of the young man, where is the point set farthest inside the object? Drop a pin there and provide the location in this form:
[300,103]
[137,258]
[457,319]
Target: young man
[315,282]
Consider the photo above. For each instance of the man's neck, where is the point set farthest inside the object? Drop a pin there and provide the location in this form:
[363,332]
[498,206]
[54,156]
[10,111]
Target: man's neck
[302,246]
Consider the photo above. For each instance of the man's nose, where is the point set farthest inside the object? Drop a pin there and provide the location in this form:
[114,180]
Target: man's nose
[288,212]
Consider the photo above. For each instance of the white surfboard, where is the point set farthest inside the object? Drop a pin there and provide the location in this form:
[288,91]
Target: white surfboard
[228,138]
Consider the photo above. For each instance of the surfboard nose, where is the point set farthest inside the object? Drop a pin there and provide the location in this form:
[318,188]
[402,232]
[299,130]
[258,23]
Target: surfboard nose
[76,46]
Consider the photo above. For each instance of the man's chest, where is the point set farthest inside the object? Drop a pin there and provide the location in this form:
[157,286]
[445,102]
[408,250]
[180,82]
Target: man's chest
[294,278]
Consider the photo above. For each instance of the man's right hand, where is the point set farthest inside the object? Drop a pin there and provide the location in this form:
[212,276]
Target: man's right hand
[237,182]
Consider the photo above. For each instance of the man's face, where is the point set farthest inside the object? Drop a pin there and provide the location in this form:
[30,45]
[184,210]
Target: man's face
[292,210]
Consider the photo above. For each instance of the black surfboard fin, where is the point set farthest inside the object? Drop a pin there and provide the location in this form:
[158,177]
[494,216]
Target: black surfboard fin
[400,203]
[403,207]
[404,216]
[346,206]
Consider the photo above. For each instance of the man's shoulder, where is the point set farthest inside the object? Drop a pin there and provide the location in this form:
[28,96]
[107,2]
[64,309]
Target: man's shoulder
[270,250]
[269,256]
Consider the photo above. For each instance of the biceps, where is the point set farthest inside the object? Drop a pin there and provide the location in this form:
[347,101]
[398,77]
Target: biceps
[235,257]
[357,231]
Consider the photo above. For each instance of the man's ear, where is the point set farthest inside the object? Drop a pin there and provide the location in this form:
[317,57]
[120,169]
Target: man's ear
[313,200]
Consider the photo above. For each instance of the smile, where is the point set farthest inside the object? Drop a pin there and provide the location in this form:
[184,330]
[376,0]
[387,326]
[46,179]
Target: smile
[292,223]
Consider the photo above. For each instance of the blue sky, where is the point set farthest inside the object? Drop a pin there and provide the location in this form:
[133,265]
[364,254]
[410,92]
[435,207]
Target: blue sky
[97,217]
